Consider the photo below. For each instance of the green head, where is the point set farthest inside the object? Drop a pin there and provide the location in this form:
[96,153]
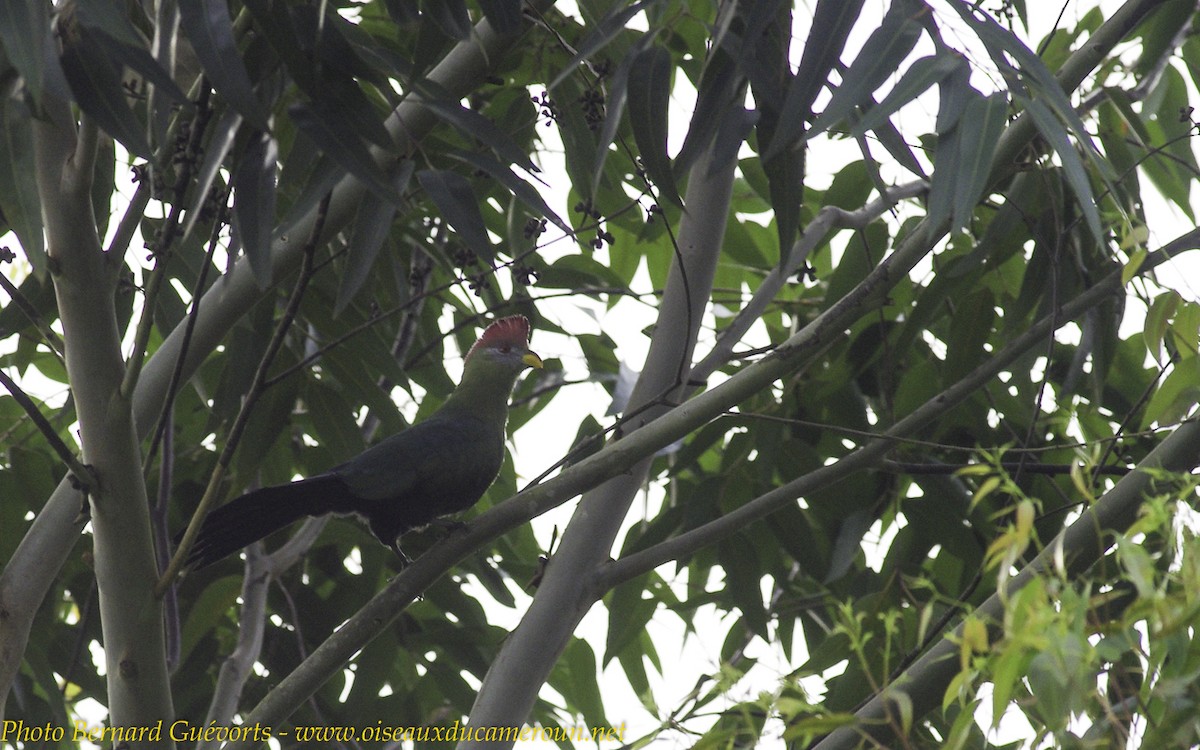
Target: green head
[492,366]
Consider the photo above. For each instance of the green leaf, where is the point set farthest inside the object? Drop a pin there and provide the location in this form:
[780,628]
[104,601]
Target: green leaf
[111,28]
[602,33]
[524,191]
[209,28]
[254,208]
[628,614]
[581,688]
[25,35]
[324,176]
[217,149]
[982,123]
[451,17]
[718,92]
[831,25]
[19,201]
[743,573]
[940,204]
[578,272]
[1177,395]
[484,130]
[880,57]
[649,99]
[504,15]
[923,73]
[1056,135]
[895,144]
[371,227]
[456,202]
[785,182]
[972,329]
[335,138]
[333,420]
[618,96]
[96,85]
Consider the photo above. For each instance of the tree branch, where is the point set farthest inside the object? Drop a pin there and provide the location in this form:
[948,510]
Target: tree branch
[1078,546]
[27,576]
[256,390]
[84,475]
[869,455]
[138,686]
[239,665]
[828,220]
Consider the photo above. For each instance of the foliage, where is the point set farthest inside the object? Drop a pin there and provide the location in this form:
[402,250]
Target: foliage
[913,333]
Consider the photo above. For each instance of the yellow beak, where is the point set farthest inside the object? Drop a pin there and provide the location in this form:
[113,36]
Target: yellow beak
[532,360]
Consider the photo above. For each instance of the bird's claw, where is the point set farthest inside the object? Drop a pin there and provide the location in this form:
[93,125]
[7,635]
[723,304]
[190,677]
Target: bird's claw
[405,560]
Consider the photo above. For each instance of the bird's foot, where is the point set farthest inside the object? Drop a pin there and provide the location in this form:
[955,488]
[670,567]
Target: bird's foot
[405,560]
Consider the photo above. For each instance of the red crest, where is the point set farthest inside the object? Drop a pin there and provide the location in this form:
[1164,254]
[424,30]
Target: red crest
[511,331]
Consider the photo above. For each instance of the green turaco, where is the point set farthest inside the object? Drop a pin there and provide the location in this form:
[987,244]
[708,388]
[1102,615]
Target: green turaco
[441,465]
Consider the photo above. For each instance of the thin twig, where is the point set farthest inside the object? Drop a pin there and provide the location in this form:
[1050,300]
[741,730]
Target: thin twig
[256,390]
[19,299]
[193,315]
[83,474]
[162,250]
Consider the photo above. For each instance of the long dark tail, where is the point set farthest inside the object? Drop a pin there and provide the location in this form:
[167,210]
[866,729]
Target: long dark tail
[257,514]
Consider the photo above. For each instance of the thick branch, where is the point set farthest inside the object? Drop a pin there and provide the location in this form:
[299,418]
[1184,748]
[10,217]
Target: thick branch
[138,688]
[828,220]
[239,665]
[872,453]
[530,652]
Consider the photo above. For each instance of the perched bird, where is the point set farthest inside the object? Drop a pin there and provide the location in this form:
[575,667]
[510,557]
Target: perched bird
[439,466]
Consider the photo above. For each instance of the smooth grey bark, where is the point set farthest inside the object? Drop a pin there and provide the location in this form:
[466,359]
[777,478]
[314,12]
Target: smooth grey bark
[530,652]
[131,616]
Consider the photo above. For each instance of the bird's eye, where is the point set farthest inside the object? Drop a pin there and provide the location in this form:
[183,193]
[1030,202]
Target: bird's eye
[505,349]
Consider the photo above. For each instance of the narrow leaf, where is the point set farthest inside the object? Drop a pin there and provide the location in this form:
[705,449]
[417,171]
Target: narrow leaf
[484,130]
[24,33]
[720,90]
[649,97]
[254,209]
[999,41]
[451,17]
[336,140]
[981,126]
[320,180]
[403,11]
[96,85]
[524,191]
[880,57]
[732,130]
[832,21]
[1056,135]
[922,74]
[602,33]
[371,227]
[209,28]
[109,27]
[945,169]
[504,15]
[618,89]
[456,202]
[895,144]
[214,155]
[19,200]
